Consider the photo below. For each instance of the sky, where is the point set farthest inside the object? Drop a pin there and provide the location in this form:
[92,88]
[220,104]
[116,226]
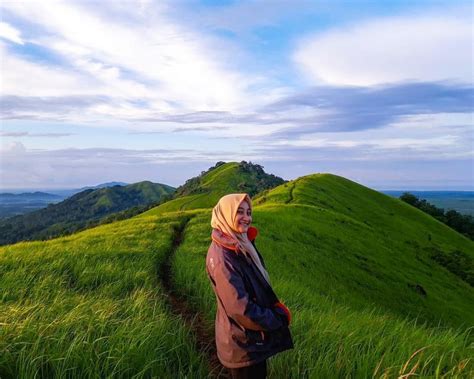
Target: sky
[379,92]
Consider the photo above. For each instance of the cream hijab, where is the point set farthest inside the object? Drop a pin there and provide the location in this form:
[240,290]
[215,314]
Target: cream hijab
[224,218]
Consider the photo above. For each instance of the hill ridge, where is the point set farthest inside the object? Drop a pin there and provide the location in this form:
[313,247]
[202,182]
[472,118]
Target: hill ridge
[353,267]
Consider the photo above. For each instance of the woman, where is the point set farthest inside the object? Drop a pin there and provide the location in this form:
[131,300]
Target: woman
[251,323]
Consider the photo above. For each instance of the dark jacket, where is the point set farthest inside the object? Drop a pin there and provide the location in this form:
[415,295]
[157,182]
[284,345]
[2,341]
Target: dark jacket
[248,328]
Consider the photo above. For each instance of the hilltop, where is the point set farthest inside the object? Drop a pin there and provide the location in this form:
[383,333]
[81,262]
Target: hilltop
[205,190]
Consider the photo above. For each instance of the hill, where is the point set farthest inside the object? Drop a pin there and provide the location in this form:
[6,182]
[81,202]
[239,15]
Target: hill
[359,271]
[102,185]
[22,201]
[355,266]
[206,189]
[80,210]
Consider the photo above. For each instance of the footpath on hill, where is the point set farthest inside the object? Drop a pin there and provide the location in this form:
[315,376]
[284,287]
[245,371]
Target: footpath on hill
[194,320]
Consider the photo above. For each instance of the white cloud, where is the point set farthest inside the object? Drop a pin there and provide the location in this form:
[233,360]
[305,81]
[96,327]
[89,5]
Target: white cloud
[149,56]
[419,48]
[21,77]
[14,148]
[425,136]
[52,168]
[10,33]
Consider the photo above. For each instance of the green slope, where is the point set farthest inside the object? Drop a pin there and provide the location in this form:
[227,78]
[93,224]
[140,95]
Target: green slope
[204,191]
[79,210]
[353,265]
[90,305]
[356,267]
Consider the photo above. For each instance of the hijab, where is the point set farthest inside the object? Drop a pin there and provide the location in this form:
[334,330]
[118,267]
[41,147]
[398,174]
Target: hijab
[224,217]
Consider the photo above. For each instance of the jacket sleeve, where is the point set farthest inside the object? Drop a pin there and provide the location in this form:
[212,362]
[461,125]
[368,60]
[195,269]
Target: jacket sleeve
[230,288]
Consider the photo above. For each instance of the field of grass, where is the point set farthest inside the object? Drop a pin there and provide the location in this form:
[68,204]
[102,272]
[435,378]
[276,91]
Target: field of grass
[355,267]
[91,306]
[348,268]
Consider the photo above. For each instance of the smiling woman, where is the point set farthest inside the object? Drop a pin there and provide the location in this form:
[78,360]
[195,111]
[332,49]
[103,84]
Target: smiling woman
[244,217]
[251,323]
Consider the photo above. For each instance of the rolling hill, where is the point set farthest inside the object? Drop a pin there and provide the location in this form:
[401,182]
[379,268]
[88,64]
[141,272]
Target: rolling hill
[360,271]
[205,190]
[79,210]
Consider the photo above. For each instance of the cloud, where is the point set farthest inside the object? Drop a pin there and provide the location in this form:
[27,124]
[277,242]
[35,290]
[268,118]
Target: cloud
[10,33]
[52,168]
[35,107]
[29,134]
[394,88]
[427,174]
[360,149]
[348,109]
[21,77]
[143,56]
[336,109]
[13,148]
[428,47]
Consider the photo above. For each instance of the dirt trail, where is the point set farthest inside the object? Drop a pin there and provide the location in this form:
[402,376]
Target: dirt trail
[179,306]
[290,193]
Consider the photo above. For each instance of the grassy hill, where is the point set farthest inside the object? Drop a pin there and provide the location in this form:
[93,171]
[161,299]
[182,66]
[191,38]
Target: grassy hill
[79,210]
[205,190]
[90,305]
[357,268]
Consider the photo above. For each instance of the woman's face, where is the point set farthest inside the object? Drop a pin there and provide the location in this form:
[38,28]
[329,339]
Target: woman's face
[243,218]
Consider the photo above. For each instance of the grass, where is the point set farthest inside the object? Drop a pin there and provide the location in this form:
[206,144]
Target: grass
[348,277]
[91,306]
[215,184]
[354,266]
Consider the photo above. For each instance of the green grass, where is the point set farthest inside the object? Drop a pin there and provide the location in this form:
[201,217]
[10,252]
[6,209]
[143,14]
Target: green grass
[345,259]
[90,306]
[348,275]
[215,184]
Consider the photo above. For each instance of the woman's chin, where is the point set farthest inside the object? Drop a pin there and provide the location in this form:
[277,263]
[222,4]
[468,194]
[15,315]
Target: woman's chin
[243,229]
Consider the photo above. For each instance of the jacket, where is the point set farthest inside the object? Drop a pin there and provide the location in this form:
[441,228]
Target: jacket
[248,328]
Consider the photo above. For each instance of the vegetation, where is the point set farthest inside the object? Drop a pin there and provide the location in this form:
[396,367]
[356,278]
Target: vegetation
[253,179]
[205,190]
[464,224]
[194,185]
[377,288]
[355,268]
[90,305]
[82,210]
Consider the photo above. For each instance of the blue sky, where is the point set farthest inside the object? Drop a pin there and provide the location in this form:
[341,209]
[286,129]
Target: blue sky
[380,92]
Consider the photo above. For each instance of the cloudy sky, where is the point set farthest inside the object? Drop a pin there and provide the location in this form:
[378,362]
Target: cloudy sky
[380,92]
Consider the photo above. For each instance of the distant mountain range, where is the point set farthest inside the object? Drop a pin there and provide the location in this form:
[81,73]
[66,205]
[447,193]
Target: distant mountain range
[17,202]
[80,210]
[112,201]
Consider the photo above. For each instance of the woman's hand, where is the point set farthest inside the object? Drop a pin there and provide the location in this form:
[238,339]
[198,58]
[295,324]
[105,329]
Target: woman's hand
[279,306]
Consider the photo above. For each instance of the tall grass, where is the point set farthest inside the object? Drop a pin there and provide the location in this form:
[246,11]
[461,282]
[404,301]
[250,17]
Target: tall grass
[348,322]
[353,265]
[91,306]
